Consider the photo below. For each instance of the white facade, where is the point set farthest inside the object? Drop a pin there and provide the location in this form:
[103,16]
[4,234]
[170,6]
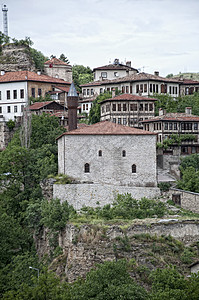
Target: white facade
[86,106]
[13,99]
[110,158]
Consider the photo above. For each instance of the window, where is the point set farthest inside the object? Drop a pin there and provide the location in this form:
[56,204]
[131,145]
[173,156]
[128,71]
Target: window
[133,107]
[133,168]
[21,94]
[170,126]
[184,149]
[92,92]
[137,88]
[39,92]
[114,107]
[157,90]
[123,153]
[84,92]
[145,88]
[15,94]
[101,90]
[166,126]
[104,74]
[170,90]
[0,95]
[119,107]
[15,108]
[127,89]
[124,107]
[119,120]
[141,107]
[100,153]
[22,108]
[86,168]
[33,92]
[124,121]
[108,89]
[175,126]
[107,107]
[8,109]
[114,120]
[151,107]
[87,106]
[195,126]
[83,106]
[0,110]
[88,92]
[151,88]
[116,74]
[131,89]
[8,95]
[123,89]
[146,107]
[102,109]
[141,88]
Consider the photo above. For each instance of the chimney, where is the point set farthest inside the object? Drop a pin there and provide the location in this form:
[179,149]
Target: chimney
[128,64]
[2,72]
[38,72]
[72,102]
[113,93]
[156,73]
[188,110]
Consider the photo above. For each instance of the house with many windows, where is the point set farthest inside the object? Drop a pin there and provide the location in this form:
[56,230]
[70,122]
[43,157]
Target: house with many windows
[127,109]
[16,88]
[113,71]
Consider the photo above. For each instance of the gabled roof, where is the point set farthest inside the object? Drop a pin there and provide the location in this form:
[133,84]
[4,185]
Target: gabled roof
[129,97]
[115,67]
[134,77]
[107,128]
[29,76]
[39,105]
[55,61]
[62,88]
[173,117]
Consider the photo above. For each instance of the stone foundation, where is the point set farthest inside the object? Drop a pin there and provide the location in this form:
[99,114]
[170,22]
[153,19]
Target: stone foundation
[85,194]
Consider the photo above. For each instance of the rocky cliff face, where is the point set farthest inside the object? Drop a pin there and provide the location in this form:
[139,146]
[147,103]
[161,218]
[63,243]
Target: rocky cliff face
[85,245]
[16,58]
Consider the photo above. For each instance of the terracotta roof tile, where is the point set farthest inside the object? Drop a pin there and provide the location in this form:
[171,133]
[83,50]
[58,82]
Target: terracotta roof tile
[174,117]
[130,98]
[133,77]
[107,128]
[29,76]
[55,61]
[115,67]
[38,105]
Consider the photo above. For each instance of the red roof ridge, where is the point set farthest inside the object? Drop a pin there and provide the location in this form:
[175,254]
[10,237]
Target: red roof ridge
[56,61]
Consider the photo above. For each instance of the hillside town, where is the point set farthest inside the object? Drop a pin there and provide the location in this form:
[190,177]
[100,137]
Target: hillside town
[99,172]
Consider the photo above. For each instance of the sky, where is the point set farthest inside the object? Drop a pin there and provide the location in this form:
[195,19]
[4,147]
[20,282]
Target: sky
[155,35]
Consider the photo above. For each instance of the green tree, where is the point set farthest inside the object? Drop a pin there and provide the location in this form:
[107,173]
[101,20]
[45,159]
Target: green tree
[64,58]
[39,58]
[81,75]
[94,114]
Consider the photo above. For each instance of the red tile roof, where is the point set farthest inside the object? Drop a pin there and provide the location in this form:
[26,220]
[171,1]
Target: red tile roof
[115,67]
[133,78]
[107,128]
[129,97]
[39,105]
[173,117]
[29,76]
[55,61]
[62,88]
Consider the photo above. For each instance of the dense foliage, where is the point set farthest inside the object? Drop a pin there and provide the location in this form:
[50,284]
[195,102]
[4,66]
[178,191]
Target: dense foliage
[81,75]
[94,114]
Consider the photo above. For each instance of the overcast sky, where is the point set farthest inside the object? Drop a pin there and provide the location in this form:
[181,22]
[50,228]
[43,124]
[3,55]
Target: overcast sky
[155,35]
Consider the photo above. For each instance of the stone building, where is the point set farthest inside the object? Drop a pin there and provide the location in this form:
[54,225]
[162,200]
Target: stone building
[58,69]
[105,159]
[109,153]
[128,109]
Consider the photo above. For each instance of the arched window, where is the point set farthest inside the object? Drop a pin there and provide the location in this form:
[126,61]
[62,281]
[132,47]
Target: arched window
[100,152]
[86,168]
[133,168]
[123,153]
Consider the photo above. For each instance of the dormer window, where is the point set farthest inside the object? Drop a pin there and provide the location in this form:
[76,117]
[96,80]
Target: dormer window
[104,74]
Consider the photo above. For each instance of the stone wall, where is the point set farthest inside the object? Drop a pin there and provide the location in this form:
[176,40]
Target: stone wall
[85,245]
[6,134]
[111,167]
[84,194]
[16,58]
[188,200]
